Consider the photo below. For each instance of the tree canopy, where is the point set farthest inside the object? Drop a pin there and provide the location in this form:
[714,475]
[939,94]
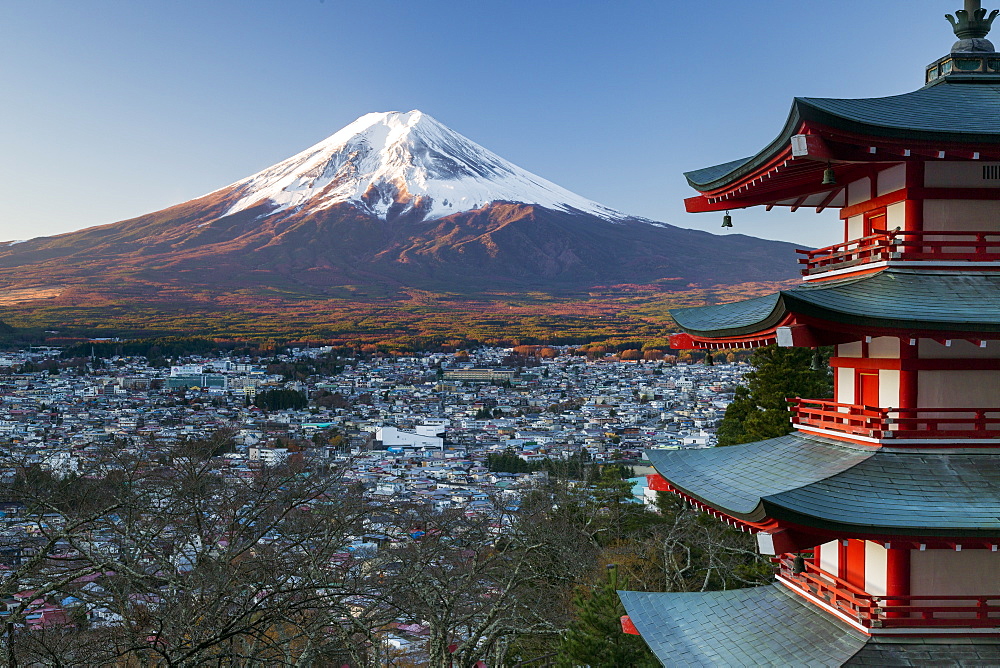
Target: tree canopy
[760,410]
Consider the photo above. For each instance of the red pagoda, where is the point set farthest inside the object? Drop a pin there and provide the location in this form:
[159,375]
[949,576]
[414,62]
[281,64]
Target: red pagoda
[882,507]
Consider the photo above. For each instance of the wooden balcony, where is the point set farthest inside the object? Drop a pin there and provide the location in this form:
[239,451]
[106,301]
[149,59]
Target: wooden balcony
[873,423]
[870,611]
[894,245]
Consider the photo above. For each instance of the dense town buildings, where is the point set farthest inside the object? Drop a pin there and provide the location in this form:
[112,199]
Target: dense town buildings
[410,430]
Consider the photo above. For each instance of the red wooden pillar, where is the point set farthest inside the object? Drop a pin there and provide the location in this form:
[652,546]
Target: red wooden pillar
[856,563]
[914,212]
[842,558]
[897,581]
[908,392]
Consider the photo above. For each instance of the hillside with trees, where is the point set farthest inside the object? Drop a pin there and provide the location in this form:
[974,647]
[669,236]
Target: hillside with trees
[172,561]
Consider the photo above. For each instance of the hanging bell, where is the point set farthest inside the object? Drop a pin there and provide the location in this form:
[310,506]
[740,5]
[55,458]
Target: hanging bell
[727,220]
[829,178]
[817,360]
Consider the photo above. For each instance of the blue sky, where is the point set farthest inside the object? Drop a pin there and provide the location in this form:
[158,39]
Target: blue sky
[117,108]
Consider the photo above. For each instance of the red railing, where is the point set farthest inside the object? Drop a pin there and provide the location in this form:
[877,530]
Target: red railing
[891,612]
[950,245]
[869,421]
[897,423]
[838,256]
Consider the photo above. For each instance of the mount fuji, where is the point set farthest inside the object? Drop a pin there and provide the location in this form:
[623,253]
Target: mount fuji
[392,164]
[391,204]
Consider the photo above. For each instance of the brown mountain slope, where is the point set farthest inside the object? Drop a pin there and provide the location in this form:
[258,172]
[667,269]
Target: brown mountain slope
[504,246]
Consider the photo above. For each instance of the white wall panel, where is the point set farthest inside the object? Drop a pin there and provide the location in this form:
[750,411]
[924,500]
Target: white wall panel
[876,560]
[890,180]
[957,175]
[951,573]
[859,191]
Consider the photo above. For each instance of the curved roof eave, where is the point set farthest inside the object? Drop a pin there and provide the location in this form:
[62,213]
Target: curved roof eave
[951,113]
[742,318]
[717,176]
[759,626]
[946,302]
[775,626]
[809,481]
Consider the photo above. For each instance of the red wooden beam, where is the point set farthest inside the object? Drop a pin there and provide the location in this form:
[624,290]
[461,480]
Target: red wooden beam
[658,483]
[829,198]
[799,202]
[810,147]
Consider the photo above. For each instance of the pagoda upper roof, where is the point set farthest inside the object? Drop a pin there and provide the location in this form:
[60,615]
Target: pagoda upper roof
[773,626]
[834,486]
[895,299]
[951,120]
[950,113]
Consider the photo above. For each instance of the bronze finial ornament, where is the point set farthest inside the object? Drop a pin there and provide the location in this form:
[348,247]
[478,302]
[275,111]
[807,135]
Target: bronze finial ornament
[972,22]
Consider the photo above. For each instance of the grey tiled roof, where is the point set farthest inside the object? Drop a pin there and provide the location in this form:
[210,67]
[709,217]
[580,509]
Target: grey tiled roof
[742,317]
[771,626]
[929,652]
[709,174]
[893,298]
[951,109]
[761,626]
[950,112]
[821,483]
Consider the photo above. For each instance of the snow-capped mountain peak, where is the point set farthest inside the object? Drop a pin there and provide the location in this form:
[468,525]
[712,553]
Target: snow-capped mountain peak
[393,162]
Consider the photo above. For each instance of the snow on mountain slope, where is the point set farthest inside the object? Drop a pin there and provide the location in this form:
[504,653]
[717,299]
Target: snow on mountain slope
[391,163]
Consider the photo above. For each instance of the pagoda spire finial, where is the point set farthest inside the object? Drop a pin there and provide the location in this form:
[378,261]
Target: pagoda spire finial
[971,26]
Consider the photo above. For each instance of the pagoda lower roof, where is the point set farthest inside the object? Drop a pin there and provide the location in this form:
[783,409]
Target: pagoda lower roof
[835,487]
[903,299]
[960,113]
[773,626]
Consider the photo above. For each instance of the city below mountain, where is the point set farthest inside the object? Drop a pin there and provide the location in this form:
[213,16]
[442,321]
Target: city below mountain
[392,205]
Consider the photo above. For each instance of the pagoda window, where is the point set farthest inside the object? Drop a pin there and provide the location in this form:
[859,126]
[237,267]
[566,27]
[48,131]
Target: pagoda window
[968,64]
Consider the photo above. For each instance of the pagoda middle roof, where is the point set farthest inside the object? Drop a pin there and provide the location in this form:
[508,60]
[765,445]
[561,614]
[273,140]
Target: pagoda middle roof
[773,626]
[892,298]
[949,113]
[829,485]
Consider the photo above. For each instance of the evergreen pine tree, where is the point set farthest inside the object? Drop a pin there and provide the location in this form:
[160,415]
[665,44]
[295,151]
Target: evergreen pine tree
[596,638]
[759,410]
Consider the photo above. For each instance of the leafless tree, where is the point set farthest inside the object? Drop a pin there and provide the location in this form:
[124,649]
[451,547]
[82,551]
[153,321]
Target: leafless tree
[480,579]
[185,563]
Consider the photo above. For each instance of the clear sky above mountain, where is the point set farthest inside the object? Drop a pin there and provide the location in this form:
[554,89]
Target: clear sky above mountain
[114,109]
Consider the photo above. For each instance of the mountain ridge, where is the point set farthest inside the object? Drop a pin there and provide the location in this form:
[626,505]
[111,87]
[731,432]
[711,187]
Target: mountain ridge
[362,219]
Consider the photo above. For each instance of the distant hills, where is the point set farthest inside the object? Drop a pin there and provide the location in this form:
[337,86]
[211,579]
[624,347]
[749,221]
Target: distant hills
[392,210]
